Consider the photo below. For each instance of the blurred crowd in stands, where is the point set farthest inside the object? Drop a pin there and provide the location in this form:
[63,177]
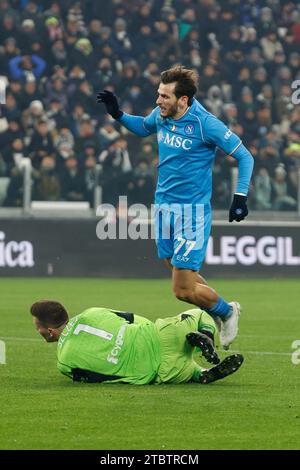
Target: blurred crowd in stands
[58,55]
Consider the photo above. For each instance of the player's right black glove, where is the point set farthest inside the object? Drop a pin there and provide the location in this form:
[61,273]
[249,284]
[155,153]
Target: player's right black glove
[111,102]
[238,210]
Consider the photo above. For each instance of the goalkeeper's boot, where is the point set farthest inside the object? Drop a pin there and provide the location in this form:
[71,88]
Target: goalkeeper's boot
[227,367]
[202,341]
[217,321]
[229,327]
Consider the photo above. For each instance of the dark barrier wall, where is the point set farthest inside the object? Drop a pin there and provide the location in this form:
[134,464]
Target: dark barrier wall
[40,247]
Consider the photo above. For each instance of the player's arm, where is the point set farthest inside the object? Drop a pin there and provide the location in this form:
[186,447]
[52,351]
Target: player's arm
[215,132]
[83,375]
[65,369]
[238,210]
[142,126]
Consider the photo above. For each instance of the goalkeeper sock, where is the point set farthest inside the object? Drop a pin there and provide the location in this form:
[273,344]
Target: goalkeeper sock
[221,309]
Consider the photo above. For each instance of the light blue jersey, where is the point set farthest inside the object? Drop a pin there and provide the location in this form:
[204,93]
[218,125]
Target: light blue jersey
[187,148]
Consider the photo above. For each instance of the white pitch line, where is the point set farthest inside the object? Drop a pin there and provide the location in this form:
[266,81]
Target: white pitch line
[14,338]
[269,336]
[259,353]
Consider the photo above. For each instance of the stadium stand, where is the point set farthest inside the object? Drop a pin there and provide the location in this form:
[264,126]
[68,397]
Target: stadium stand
[57,55]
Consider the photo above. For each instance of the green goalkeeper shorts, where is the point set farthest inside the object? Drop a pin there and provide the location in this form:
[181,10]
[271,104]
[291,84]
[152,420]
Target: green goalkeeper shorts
[177,363]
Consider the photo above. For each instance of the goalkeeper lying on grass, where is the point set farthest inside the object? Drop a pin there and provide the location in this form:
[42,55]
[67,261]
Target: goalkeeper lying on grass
[104,345]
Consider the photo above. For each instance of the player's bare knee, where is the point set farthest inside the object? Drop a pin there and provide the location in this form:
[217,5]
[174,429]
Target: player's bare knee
[185,294]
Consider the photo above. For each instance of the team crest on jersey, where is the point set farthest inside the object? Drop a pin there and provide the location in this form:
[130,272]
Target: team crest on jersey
[189,129]
[160,136]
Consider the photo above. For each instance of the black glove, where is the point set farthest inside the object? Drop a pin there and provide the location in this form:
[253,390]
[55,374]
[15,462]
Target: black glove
[238,210]
[111,103]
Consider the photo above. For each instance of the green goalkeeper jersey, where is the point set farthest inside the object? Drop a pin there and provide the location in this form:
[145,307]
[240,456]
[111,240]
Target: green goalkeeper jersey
[109,344]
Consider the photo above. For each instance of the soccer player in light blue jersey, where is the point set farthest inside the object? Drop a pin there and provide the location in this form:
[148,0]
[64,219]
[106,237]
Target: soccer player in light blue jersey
[187,136]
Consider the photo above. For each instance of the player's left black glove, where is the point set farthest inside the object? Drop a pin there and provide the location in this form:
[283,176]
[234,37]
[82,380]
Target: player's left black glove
[111,103]
[238,210]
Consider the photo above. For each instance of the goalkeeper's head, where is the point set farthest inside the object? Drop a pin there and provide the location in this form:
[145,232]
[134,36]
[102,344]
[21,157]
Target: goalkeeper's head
[50,318]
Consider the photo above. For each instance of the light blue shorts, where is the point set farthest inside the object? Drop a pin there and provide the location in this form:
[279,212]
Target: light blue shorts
[182,233]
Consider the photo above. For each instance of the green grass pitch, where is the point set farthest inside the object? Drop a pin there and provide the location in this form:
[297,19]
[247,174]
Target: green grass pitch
[257,408]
